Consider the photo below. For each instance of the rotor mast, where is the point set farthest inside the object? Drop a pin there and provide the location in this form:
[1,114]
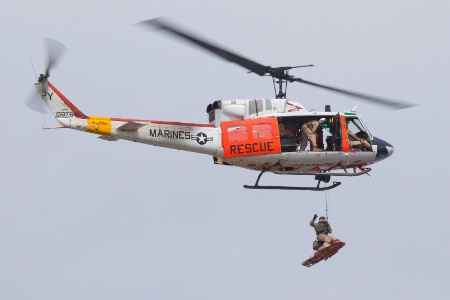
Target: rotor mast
[281,75]
[280,94]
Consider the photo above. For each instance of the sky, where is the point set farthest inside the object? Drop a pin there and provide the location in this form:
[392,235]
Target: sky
[83,218]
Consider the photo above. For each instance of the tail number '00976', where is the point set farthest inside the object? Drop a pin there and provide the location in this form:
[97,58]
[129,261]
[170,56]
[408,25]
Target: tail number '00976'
[64,114]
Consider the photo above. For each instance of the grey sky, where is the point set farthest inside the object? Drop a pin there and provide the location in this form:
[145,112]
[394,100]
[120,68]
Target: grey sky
[82,218]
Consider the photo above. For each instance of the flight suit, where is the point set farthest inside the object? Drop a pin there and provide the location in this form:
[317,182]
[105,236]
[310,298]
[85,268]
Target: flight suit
[308,130]
[356,141]
[322,231]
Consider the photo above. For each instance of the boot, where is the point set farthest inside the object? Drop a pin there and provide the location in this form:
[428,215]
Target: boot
[316,149]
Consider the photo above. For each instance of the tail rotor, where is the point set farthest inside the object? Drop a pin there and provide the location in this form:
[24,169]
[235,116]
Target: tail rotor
[54,52]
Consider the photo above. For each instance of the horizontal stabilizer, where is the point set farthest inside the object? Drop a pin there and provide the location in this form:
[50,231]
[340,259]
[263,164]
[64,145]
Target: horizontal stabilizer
[131,126]
[108,138]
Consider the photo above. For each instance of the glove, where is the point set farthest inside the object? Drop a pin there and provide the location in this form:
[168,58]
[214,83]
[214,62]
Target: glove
[315,217]
[326,223]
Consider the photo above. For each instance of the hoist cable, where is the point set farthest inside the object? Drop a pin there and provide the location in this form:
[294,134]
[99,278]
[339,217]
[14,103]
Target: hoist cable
[327,196]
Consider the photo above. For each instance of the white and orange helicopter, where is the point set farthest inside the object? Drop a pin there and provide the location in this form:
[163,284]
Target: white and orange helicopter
[244,132]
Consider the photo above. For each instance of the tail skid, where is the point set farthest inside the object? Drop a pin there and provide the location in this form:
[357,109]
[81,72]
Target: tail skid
[54,127]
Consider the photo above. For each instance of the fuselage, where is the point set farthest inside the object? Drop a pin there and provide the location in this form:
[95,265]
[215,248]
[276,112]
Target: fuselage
[244,133]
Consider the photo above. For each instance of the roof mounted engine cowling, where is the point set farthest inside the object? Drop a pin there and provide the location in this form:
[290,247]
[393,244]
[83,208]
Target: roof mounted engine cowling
[209,108]
[215,105]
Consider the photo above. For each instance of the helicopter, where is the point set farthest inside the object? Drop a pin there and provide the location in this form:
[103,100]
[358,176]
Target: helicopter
[263,135]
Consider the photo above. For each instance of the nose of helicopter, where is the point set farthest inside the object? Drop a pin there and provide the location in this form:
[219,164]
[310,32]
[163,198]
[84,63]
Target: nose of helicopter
[383,148]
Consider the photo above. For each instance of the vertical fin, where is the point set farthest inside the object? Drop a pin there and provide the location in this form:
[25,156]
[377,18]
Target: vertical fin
[59,105]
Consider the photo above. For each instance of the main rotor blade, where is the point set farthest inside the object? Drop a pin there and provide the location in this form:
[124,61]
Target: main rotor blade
[392,104]
[261,69]
[55,50]
[228,55]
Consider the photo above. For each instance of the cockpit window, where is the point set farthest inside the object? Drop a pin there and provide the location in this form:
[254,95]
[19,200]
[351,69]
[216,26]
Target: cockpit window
[355,125]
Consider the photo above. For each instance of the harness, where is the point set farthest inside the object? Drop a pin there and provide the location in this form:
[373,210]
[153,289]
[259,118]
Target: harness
[310,125]
[321,228]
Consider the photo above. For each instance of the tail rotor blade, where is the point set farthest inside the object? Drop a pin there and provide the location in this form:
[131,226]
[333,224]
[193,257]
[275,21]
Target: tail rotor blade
[34,102]
[55,51]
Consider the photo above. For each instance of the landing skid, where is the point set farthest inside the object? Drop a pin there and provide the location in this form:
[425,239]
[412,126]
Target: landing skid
[364,171]
[296,188]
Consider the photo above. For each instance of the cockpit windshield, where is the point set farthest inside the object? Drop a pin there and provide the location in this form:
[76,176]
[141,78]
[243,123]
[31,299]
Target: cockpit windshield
[355,125]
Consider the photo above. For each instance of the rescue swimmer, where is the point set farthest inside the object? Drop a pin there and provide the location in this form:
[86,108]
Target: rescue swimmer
[322,229]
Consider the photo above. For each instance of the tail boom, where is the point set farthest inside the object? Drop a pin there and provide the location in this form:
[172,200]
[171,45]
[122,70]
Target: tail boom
[199,138]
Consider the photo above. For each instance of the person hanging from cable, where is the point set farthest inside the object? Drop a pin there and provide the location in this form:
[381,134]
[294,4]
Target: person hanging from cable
[322,229]
[326,245]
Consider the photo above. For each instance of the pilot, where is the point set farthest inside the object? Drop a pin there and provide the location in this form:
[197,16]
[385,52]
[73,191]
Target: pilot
[309,131]
[356,141]
[322,228]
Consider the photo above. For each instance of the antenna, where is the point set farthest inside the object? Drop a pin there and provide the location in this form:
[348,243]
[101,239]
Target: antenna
[31,61]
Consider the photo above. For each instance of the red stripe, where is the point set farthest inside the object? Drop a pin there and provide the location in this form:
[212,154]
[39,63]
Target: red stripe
[80,115]
[296,106]
[75,110]
[256,106]
[162,122]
